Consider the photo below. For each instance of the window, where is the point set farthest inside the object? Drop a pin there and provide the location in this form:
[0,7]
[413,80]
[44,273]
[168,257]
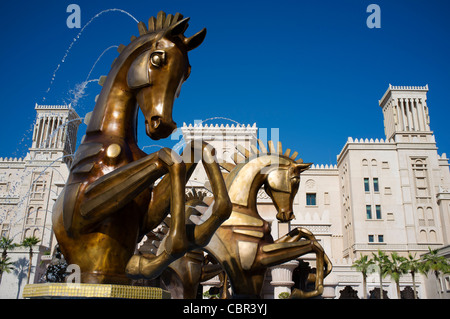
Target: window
[366,185]
[376,189]
[326,198]
[38,187]
[380,238]
[378,211]
[311,199]
[5,230]
[369,212]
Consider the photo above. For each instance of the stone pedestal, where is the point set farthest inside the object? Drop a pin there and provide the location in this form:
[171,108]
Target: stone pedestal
[87,291]
[282,277]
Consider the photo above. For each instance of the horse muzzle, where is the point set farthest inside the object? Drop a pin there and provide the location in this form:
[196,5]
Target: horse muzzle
[285,216]
[158,128]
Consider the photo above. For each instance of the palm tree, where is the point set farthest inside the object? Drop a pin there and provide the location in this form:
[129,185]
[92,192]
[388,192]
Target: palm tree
[436,264]
[412,265]
[5,245]
[394,268]
[30,242]
[380,260]
[5,266]
[363,265]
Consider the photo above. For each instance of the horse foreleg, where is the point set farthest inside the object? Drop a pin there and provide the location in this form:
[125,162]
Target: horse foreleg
[200,235]
[159,205]
[278,253]
[176,242]
[303,233]
[114,190]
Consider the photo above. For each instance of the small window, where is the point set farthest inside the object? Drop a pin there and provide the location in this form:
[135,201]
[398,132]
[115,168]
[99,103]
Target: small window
[366,185]
[381,238]
[371,238]
[5,230]
[376,188]
[369,212]
[311,199]
[378,211]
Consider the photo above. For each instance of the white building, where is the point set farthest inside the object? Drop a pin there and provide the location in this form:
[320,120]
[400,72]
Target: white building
[28,189]
[388,193]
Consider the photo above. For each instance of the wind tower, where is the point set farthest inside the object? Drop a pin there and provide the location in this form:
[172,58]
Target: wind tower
[55,132]
[405,112]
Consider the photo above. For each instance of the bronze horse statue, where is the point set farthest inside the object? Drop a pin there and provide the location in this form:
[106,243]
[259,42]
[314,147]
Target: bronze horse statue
[109,201]
[243,245]
[183,277]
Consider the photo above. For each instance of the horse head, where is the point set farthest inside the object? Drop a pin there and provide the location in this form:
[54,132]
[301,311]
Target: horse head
[278,173]
[282,186]
[160,67]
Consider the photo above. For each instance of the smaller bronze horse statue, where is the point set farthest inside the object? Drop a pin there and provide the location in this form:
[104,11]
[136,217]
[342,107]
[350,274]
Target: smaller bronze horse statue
[109,202]
[243,245]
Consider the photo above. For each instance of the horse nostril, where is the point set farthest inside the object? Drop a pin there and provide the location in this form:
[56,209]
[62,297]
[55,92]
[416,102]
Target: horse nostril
[155,122]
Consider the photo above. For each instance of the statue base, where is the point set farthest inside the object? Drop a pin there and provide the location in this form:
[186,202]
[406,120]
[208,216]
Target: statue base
[88,291]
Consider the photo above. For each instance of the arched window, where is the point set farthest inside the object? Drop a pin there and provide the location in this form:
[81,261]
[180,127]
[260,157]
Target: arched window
[433,236]
[40,216]
[37,233]
[27,233]
[30,215]
[423,236]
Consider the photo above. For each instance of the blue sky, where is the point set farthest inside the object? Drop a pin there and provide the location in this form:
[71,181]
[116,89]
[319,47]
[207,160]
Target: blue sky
[313,69]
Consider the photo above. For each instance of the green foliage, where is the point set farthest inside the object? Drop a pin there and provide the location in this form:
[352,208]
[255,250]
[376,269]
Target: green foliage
[6,265]
[363,264]
[434,263]
[30,242]
[284,295]
[395,266]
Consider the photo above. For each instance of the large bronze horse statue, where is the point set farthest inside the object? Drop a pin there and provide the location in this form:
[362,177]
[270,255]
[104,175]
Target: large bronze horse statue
[109,202]
[243,245]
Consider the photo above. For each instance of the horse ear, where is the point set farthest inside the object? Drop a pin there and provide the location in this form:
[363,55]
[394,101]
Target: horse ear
[178,28]
[302,167]
[195,40]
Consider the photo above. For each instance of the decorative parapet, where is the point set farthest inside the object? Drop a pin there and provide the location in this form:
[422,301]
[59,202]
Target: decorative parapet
[216,131]
[11,159]
[321,166]
[405,88]
[402,88]
[53,107]
[371,141]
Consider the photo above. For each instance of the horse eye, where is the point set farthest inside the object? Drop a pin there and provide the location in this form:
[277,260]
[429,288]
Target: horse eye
[157,58]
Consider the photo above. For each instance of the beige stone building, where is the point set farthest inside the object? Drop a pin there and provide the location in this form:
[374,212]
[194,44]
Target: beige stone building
[389,193]
[28,189]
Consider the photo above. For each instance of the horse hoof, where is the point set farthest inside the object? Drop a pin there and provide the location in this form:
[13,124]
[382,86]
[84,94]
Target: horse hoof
[147,266]
[133,267]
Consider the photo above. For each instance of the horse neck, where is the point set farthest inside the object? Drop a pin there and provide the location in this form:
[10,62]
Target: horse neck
[243,191]
[115,113]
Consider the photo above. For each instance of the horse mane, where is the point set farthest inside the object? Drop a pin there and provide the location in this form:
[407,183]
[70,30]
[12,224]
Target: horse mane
[168,23]
[242,155]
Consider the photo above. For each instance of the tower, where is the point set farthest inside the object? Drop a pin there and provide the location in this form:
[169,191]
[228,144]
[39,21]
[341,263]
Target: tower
[55,132]
[405,113]
[423,172]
